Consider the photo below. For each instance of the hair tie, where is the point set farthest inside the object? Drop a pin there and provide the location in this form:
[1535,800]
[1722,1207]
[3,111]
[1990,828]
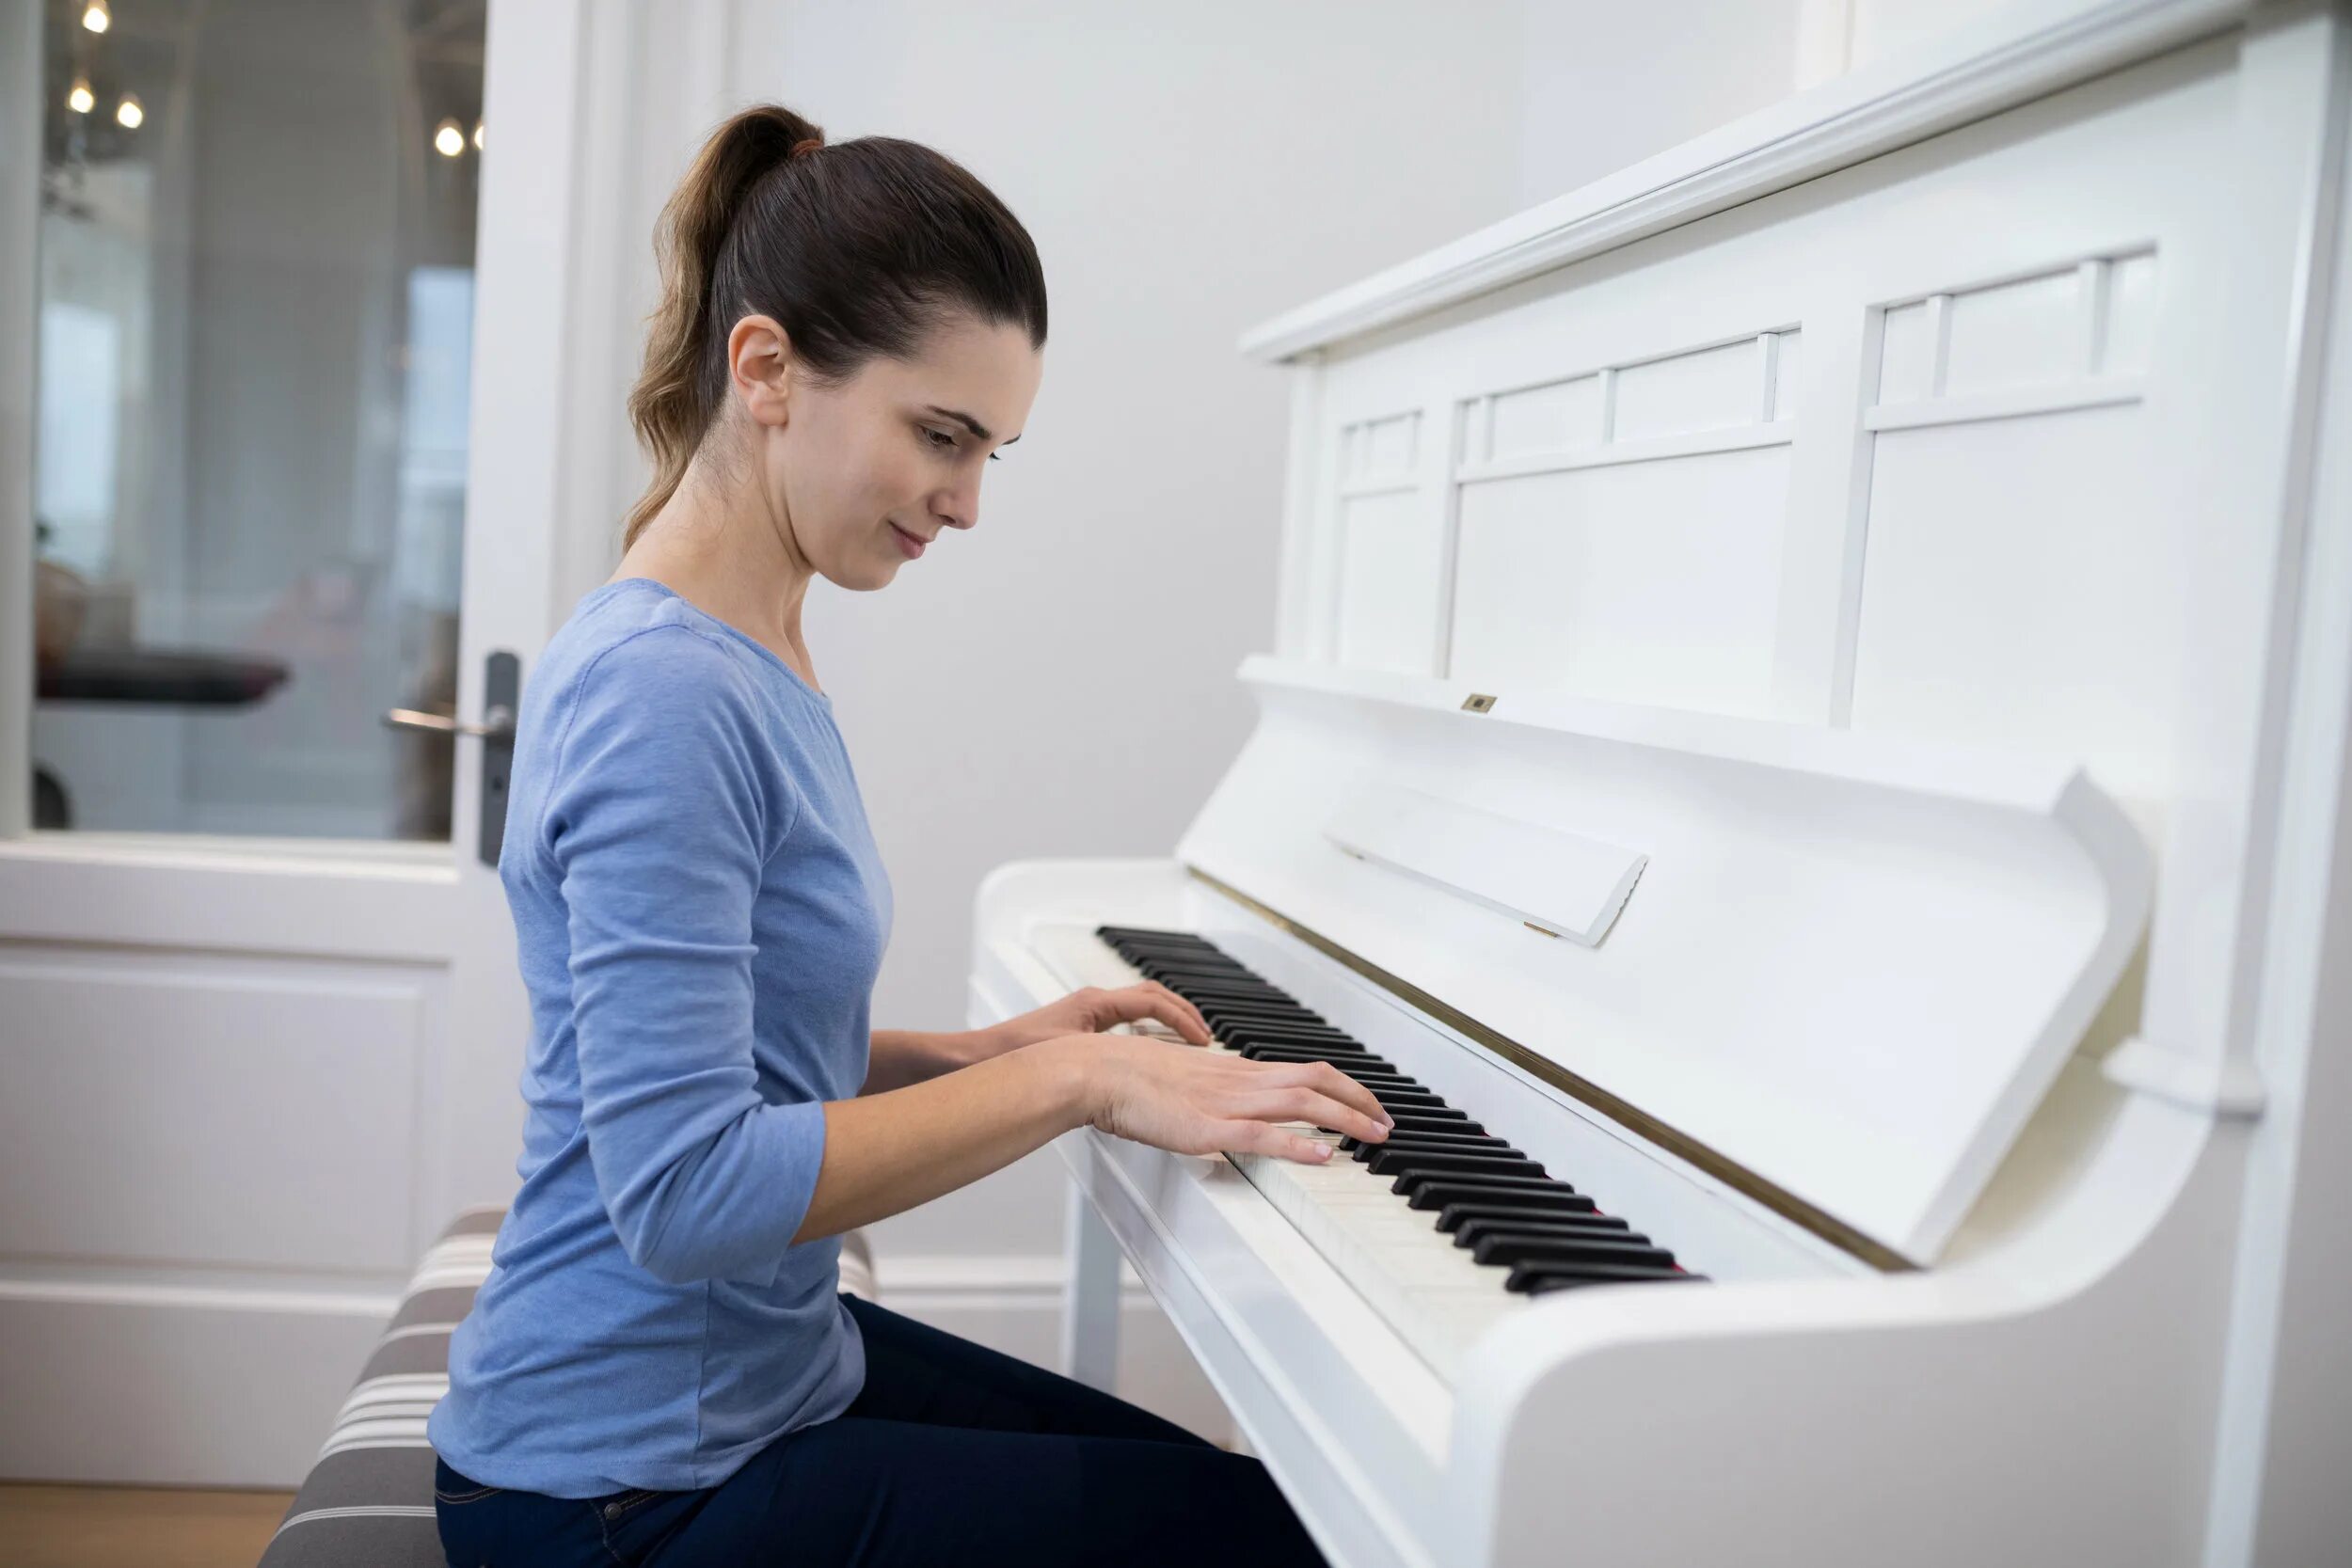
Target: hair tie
[809,144]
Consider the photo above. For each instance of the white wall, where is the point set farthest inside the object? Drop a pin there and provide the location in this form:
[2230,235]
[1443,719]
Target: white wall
[1607,84]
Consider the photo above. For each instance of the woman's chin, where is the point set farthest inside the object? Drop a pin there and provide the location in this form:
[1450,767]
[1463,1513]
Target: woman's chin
[866,576]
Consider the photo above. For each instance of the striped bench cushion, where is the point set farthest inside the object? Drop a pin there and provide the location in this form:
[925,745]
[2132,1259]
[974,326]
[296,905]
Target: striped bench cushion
[368,1501]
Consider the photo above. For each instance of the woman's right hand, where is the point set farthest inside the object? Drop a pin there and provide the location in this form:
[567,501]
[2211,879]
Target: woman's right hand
[1192,1100]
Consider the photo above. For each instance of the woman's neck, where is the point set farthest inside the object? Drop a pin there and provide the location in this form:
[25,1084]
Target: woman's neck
[721,550]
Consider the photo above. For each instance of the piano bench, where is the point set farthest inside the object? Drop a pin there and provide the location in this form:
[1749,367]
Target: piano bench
[368,1498]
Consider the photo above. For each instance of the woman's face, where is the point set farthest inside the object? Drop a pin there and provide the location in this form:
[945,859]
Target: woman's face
[866,474]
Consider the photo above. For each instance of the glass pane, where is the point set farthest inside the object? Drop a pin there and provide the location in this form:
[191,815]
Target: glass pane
[255,299]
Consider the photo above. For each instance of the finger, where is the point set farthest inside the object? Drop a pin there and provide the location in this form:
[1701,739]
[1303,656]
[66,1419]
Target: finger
[1324,1079]
[1152,1000]
[1316,1109]
[1187,1021]
[1263,1137]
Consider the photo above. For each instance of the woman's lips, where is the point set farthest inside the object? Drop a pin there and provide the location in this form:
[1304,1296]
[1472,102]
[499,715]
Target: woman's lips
[908,544]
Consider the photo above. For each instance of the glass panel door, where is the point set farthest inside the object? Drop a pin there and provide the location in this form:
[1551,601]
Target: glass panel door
[254,302]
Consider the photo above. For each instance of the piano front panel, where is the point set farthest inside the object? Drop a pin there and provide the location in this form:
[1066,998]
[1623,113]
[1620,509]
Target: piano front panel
[2018,370]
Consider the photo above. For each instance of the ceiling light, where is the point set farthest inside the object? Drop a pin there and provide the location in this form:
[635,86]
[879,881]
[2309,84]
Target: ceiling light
[81,100]
[477,136]
[448,140]
[127,113]
[96,17]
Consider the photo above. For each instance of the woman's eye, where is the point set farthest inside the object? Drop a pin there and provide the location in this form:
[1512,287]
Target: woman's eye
[941,441]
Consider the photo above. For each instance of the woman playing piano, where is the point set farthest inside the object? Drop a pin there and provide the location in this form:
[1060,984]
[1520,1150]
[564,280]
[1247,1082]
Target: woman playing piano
[660,1366]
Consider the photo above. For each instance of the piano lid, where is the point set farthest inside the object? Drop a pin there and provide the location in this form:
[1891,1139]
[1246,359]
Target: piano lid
[1837,970]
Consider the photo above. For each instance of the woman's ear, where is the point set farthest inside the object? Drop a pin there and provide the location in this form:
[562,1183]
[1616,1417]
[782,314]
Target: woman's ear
[759,364]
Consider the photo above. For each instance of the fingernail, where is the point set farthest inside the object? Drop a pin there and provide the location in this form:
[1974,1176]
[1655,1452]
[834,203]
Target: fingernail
[1323,1152]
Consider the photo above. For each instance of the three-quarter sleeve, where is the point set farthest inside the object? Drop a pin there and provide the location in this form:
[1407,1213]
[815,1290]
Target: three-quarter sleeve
[661,816]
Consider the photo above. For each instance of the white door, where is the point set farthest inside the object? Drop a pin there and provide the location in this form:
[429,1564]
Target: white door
[260,1022]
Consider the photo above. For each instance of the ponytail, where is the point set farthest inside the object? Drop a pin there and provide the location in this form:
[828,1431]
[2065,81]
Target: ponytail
[858,250]
[669,406]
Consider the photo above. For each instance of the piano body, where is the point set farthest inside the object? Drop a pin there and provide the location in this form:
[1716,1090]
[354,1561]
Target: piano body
[1806,735]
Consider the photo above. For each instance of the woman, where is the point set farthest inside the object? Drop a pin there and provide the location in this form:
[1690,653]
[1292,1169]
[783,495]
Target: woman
[660,1367]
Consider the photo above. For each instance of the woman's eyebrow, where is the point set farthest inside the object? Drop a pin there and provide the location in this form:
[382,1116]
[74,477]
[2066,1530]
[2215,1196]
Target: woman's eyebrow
[979,430]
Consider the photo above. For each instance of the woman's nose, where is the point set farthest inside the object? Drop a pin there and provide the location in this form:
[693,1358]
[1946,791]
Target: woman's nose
[959,508]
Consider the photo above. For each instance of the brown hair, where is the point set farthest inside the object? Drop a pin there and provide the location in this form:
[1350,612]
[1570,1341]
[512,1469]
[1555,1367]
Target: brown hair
[858,250]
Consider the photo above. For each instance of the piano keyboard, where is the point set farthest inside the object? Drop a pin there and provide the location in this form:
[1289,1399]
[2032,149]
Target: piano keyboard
[1383,1214]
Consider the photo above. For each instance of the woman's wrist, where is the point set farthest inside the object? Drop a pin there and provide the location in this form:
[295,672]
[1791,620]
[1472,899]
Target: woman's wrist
[1068,1070]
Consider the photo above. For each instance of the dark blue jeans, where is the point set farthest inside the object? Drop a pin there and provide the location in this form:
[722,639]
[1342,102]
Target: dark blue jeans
[951,1455]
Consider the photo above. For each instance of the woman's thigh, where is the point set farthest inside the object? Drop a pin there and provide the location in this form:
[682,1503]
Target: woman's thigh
[862,1492]
[918,1373]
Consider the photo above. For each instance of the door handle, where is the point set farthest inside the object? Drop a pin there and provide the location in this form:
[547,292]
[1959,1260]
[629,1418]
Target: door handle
[497,723]
[502,695]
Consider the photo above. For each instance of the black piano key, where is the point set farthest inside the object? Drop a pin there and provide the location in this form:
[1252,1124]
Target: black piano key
[1324,1046]
[1402,1099]
[1422,1119]
[1351,1063]
[1266,1014]
[1270,1017]
[1240,1037]
[1447,1120]
[1236,980]
[1236,998]
[1513,1250]
[1147,934]
[1404,1163]
[1438,1190]
[1238,1030]
[1335,1050]
[1440,1142]
[1138,954]
[1207,969]
[1469,1221]
[1541,1278]
[1446,1137]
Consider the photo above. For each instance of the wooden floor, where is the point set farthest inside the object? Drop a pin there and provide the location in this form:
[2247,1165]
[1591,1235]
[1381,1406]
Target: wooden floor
[125,1527]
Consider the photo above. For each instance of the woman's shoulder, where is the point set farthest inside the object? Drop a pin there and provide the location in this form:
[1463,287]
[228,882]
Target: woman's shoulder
[628,667]
[631,639]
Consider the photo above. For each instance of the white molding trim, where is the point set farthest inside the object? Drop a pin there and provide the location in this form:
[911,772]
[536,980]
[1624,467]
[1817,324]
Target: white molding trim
[1025,1279]
[2007,404]
[2001,61]
[1607,454]
[19,226]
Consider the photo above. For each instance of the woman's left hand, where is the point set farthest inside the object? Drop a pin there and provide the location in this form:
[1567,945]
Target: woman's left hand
[1093,1010]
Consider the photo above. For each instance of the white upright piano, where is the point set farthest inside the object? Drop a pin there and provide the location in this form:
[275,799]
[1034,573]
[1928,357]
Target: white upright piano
[1804,752]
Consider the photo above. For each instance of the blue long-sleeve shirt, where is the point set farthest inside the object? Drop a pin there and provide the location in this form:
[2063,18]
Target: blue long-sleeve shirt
[700,912]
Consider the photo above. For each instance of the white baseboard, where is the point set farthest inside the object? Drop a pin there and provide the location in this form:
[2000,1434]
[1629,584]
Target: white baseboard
[100,1383]
[161,1389]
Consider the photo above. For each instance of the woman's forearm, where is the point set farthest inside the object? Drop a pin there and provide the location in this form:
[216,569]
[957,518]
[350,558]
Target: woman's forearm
[886,1152]
[898,1057]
